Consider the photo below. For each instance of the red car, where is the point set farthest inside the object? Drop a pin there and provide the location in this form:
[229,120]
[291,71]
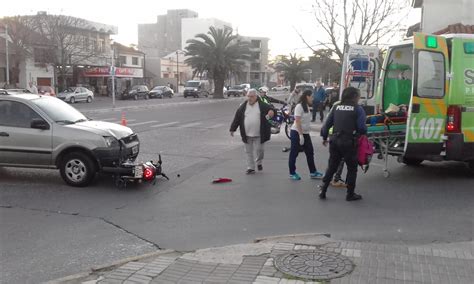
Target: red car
[46,90]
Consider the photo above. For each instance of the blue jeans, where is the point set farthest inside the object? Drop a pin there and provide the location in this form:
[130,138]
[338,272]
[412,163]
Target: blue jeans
[295,149]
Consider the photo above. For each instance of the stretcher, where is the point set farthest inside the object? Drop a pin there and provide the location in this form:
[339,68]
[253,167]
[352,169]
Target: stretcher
[388,139]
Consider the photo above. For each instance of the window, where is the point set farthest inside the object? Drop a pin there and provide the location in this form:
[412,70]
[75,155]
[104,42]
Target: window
[255,76]
[256,55]
[101,45]
[134,60]
[123,60]
[94,45]
[86,43]
[255,66]
[40,55]
[430,79]
[255,43]
[16,114]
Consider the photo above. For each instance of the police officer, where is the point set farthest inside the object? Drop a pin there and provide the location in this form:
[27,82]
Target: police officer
[264,97]
[348,122]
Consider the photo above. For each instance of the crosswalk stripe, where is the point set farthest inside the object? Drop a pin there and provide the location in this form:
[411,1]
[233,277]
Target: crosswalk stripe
[165,124]
[215,126]
[191,124]
[142,123]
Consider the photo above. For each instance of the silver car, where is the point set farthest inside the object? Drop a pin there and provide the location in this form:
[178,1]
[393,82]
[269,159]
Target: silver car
[76,94]
[44,132]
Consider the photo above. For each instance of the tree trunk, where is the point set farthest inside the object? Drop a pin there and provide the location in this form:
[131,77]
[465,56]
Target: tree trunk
[292,85]
[219,88]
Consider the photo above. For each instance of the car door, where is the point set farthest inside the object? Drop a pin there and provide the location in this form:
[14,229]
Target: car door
[428,104]
[21,145]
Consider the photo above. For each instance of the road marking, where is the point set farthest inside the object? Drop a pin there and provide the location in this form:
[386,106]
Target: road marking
[106,119]
[215,126]
[190,124]
[142,123]
[165,124]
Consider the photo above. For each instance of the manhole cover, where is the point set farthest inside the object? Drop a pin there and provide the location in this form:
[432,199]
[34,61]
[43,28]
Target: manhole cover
[314,264]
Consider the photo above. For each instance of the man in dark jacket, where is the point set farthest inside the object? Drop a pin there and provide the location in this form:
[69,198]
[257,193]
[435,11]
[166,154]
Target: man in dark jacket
[252,119]
[347,119]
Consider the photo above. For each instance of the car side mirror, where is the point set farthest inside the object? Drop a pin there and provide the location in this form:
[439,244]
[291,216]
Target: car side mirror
[38,123]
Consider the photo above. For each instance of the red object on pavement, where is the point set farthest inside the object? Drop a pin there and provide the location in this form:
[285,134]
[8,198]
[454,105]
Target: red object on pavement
[222,180]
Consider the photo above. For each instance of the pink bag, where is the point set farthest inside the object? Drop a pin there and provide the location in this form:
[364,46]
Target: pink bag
[365,152]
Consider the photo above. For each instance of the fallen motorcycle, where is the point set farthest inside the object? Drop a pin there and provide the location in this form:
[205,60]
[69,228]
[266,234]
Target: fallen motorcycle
[136,172]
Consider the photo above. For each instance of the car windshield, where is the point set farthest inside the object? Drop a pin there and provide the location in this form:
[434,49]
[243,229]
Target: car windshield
[238,87]
[70,90]
[192,84]
[59,111]
[23,91]
[159,88]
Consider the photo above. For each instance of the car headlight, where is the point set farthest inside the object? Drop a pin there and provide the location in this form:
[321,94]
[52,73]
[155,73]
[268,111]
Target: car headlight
[111,141]
[195,90]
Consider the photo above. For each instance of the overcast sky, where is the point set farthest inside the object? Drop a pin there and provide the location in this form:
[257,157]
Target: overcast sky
[268,18]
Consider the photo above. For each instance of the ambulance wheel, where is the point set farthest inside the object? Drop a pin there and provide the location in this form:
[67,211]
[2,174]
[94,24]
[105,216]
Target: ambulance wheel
[471,166]
[412,162]
[386,174]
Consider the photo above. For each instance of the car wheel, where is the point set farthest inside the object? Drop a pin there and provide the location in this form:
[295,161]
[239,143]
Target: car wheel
[147,96]
[285,89]
[89,99]
[72,100]
[206,94]
[77,169]
[412,162]
[135,97]
[196,96]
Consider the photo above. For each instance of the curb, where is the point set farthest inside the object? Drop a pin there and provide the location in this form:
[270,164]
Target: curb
[129,259]
[276,238]
[108,266]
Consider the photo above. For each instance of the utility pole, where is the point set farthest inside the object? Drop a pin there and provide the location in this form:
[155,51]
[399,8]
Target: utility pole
[329,79]
[7,59]
[177,72]
[112,73]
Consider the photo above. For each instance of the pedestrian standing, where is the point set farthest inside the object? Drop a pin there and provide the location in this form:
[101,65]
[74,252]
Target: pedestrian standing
[300,138]
[348,121]
[252,119]
[33,89]
[319,97]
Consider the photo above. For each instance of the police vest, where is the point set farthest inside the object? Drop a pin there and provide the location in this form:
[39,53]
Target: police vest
[345,119]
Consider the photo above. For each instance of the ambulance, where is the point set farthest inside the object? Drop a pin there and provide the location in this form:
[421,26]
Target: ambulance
[433,76]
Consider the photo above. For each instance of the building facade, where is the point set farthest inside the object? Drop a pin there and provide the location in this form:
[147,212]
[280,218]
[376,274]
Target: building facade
[438,15]
[255,71]
[193,26]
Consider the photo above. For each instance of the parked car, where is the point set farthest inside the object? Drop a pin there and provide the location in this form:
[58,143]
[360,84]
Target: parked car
[305,86]
[161,92]
[46,133]
[138,91]
[236,91]
[46,90]
[76,94]
[247,87]
[15,91]
[281,88]
[197,89]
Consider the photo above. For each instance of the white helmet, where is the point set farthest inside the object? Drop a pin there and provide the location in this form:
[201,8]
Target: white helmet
[263,90]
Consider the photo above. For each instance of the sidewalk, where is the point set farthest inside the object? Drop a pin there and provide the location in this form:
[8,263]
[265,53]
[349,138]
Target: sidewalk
[312,258]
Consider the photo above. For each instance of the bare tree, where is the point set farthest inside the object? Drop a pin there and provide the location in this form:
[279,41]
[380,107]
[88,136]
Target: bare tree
[21,36]
[363,22]
[71,40]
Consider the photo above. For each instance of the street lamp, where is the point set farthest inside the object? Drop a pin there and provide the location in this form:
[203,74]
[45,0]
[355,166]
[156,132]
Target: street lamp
[177,69]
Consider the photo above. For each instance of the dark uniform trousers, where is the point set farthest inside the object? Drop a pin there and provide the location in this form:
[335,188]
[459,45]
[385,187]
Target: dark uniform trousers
[342,147]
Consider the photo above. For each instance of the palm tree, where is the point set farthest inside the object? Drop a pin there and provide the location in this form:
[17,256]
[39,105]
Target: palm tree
[218,53]
[292,68]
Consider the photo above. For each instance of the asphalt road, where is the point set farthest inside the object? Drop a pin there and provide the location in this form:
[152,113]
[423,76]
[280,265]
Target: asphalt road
[50,230]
